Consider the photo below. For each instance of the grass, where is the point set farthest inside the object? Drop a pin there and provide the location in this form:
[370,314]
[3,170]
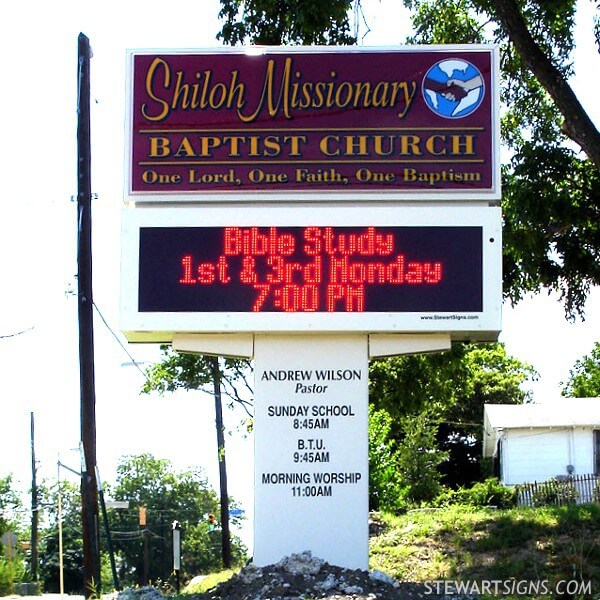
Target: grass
[210,581]
[462,543]
[476,544]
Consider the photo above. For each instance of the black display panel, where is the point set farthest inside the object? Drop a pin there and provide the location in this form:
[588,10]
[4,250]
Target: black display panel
[311,269]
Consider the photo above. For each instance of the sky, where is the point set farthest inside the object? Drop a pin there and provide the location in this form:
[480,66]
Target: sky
[39,369]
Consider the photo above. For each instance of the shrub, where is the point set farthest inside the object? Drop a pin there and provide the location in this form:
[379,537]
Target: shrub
[484,493]
[12,571]
[491,493]
[385,491]
[419,458]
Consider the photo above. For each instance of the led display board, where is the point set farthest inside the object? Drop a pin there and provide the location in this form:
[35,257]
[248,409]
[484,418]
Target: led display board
[412,270]
[310,269]
[278,123]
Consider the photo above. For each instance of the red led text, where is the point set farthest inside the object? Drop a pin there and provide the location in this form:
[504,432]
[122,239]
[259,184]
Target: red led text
[313,269]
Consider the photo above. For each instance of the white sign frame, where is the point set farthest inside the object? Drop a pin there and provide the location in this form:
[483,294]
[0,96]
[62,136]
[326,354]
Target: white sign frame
[160,327]
[322,195]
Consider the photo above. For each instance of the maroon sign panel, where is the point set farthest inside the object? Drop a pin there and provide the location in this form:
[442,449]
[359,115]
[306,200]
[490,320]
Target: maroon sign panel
[413,120]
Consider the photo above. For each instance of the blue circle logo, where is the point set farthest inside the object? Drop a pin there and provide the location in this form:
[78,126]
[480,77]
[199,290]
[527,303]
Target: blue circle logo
[453,88]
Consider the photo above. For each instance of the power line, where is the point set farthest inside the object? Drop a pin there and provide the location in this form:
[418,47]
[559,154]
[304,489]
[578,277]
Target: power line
[10,335]
[133,361]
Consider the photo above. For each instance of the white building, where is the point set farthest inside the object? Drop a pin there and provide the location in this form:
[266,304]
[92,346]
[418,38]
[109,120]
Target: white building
[537,442]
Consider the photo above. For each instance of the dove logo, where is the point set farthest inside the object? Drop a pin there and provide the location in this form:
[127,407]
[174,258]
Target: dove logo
[453,88]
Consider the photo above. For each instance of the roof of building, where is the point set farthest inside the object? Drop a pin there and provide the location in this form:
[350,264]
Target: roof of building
[565,412]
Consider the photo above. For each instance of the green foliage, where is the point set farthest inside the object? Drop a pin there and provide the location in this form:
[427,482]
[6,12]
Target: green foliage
[551,196]
[554,493]
[584,377]
[434,21]
[180,371]
[278,22]
[475,544]
[12,570]
[167,495]
[454,384]
[554,241]
[49,563]
[451,387]
[483,493]
[385,490]
[9,502]
[209,582]
[419,458]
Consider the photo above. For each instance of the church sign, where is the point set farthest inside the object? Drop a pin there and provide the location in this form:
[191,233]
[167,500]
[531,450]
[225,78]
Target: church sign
[409,123]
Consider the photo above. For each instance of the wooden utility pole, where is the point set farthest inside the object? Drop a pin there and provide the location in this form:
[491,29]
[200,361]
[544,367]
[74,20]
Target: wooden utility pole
[225,535]
[34,507]
[89,487]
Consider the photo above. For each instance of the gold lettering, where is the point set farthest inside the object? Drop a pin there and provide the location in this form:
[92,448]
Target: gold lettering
[378,139]
[234,140]
[207,144]
[344,88]
[181,92]
[159,147]
[267,94]
[358,143]
[185,148]
[217,96]
[282,92]
[236,89]
[430,144]
[409,144]
[150,75]
[408,94]
[272,145]
[463,144]
[294,141]
[380,94]
[324,145]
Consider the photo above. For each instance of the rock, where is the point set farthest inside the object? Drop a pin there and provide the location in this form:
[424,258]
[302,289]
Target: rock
[352,589]
[383,577]
[144,593]
[194,581]
[329,583]
[250,574]
[301,564]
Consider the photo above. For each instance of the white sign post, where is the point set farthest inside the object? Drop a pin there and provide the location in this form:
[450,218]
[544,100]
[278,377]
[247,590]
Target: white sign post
[311,448]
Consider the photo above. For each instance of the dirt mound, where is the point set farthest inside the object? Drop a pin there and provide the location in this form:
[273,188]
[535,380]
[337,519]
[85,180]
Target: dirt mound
[303,577]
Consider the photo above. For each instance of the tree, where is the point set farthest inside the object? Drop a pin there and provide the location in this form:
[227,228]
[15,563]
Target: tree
[584,377]
[447,391]
[164,495]
[551,194]
[419,458]
[551,198]
[9,502]
[385,490]
[49,560]
[11,567]
[285,22]
[180,371]
[196,372]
